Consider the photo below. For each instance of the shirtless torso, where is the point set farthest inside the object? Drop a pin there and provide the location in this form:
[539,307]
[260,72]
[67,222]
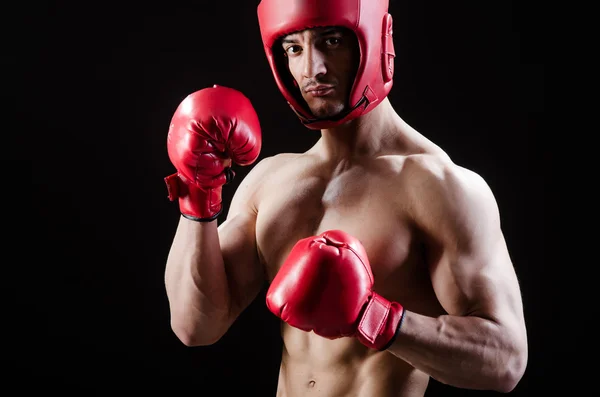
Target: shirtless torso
[300,195]
[431,232]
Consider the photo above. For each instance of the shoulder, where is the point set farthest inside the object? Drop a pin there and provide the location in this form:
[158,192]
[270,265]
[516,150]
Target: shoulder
[443,192]
[265,168]
[268,164]
[260,174]
[442,172]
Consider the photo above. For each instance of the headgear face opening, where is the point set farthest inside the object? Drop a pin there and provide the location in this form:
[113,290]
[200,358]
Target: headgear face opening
[372,25]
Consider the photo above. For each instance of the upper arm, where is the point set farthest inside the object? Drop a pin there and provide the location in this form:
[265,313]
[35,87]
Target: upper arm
[469,263]
[237,237]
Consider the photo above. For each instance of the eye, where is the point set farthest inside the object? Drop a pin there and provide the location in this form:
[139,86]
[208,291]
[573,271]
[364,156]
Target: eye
[333,41]
[293,49]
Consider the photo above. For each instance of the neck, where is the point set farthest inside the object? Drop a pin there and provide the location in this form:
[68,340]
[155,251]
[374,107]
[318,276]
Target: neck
[368,135]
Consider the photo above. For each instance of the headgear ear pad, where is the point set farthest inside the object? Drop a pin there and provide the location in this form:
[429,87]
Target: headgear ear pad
[372,25]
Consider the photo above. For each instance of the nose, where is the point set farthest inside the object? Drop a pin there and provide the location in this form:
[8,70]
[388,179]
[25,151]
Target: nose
[314,63]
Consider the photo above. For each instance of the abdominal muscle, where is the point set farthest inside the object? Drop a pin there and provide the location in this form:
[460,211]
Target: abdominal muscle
[315,366]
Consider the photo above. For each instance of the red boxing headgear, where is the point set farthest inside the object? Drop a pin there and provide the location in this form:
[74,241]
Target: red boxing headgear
[368,19]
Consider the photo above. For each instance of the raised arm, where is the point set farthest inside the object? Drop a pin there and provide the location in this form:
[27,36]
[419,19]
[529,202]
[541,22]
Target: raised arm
[481,343]
[212,272]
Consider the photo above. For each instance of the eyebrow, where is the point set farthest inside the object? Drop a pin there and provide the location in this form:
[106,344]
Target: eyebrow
[326,32]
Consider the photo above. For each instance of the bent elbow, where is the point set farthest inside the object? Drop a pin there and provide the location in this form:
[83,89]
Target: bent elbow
[191,337]
[191,340]
[513,372]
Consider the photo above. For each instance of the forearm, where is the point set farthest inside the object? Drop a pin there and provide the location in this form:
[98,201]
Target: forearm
[467,352]
[196,284]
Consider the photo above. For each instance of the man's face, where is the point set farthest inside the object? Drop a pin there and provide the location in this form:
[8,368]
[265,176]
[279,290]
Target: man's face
[323,61]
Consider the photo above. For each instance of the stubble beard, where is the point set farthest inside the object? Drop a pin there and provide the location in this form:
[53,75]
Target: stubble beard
[327,108]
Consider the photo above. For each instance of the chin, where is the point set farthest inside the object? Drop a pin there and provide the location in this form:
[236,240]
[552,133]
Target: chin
[327,109]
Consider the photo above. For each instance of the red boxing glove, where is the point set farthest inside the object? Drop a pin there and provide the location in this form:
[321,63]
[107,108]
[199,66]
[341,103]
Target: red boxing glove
[325,286]
[210,129]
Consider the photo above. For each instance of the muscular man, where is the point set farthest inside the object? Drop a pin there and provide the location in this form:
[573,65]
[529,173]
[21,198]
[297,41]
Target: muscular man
[386,261]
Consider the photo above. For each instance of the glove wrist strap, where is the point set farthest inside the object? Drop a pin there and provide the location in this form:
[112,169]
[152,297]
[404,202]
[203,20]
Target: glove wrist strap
[380,322]
[200,205]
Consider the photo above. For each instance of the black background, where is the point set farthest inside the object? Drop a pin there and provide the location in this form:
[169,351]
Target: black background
[91,88]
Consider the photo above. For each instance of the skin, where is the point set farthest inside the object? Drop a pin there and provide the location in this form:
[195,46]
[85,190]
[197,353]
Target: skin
[431,230]
[340,49]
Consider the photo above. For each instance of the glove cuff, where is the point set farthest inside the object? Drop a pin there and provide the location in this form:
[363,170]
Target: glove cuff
[380,323]
[197,204]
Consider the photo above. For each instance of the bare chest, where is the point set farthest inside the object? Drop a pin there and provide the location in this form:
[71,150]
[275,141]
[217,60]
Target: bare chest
[362,204]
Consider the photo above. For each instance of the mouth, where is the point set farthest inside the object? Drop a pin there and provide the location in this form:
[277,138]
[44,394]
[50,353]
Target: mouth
[320,91]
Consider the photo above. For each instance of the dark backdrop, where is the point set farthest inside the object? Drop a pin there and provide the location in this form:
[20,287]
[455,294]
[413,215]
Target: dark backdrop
[95,85]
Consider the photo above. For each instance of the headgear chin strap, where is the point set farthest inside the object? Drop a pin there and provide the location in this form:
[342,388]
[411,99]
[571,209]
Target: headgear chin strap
[368,19]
